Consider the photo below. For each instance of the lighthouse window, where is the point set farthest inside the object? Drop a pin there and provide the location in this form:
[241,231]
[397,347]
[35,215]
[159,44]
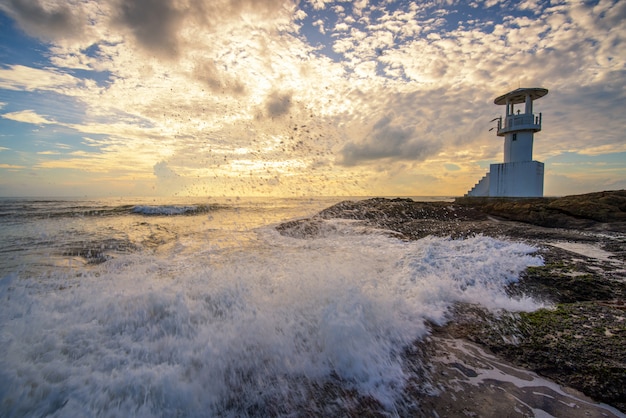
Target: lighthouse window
[514,137]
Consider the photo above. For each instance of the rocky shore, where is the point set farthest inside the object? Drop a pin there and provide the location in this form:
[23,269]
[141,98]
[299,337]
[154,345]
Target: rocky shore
[579,339]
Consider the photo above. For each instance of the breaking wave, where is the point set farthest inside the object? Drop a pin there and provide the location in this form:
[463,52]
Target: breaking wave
[170,210]
[265,328]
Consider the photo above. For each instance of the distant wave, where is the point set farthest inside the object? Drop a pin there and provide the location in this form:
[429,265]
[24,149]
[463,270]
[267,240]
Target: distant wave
[170,210]
[21,209]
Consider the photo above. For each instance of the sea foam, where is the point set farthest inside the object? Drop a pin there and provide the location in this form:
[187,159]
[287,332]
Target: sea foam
[249,330]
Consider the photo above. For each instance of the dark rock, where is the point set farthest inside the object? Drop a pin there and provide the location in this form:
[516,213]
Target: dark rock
[598,211]
[581,342]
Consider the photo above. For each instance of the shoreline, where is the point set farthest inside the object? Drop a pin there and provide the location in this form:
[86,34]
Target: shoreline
[580,341]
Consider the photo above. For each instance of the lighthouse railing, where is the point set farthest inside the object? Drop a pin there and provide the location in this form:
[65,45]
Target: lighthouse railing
[520,122]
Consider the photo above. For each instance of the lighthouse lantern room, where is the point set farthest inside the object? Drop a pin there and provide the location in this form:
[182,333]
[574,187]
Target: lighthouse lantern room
[518,175]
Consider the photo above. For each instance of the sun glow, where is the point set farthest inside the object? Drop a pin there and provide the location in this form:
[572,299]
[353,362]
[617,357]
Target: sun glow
[309,90]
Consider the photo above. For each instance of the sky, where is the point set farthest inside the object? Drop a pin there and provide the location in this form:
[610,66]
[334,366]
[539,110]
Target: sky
[303,98]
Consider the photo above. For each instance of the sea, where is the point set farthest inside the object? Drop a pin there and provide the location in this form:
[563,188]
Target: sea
[195,307]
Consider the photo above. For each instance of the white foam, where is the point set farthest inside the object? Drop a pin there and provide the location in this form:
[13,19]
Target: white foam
[222,331]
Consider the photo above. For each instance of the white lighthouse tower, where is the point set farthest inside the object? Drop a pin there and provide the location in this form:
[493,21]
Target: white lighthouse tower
[518,175]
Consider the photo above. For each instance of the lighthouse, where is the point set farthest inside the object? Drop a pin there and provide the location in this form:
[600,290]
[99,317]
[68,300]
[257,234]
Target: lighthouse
[519,175]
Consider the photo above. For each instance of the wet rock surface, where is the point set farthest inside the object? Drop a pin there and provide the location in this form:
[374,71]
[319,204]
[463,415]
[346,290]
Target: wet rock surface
[579,339]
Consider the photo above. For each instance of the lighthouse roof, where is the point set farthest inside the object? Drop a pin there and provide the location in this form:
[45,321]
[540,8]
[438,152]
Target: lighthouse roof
[519,95]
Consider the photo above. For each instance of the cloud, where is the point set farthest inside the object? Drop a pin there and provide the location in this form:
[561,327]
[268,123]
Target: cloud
[319,4]
[390,141]
[278,104]
[11,166]
[19,77]
[153,23]
[283,89]
[207,72]
[47,20]
[27,116]
[163,172]
[320,24]
[165,28]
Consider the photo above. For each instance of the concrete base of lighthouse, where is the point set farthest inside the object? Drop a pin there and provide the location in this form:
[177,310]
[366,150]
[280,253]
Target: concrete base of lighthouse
[516,179]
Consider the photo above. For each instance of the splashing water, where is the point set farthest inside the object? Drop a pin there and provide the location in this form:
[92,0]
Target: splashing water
[196,329]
